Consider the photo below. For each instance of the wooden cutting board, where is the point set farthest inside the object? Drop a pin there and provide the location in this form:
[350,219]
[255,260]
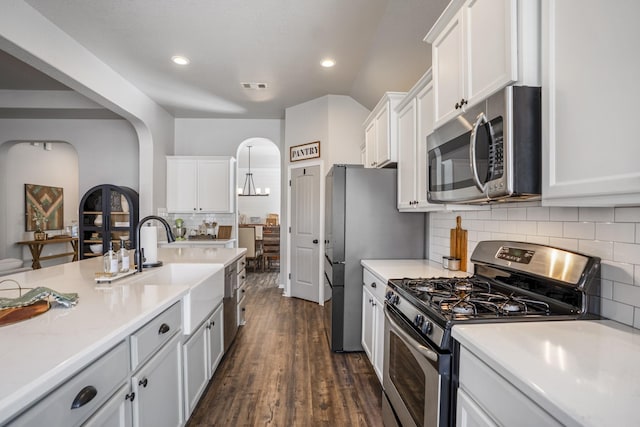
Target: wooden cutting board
[18,314]
[458,244]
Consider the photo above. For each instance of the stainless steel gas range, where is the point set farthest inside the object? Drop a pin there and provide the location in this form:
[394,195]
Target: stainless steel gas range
[512,282]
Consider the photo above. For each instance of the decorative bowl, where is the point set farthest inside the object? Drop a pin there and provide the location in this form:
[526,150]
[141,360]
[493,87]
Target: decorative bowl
[96,248]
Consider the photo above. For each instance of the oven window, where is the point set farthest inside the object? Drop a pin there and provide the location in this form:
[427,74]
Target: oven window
[408,378]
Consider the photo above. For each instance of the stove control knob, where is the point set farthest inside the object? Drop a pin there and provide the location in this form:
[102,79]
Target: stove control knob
[419,320]
[389,296]
[396,300]
[426,328]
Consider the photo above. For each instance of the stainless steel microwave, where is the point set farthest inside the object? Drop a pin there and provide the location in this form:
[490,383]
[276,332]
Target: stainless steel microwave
[490,152]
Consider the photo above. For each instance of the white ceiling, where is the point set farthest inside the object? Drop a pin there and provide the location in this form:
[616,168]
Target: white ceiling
[377,45]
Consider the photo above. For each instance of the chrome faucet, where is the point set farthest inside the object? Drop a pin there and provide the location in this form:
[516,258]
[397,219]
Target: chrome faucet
[139,254]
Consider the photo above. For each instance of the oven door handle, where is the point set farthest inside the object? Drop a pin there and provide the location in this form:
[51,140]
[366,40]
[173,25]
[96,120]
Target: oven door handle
[481,120]
[429,354]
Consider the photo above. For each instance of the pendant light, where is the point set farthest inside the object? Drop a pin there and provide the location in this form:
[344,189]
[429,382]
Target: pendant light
[249,188]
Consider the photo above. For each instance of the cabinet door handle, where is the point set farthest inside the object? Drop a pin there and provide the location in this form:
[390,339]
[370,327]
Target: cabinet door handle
[373,284]
[164,328]
[143,382]
[85,396]
[315,241]
[243,309]
[130,396]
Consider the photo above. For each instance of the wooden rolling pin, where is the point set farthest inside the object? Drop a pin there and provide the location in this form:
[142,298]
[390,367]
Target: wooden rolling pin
[458,244]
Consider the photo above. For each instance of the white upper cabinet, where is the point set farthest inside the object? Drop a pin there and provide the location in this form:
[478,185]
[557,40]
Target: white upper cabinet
[200,184]
[415,122]
[479,47]
[380,133]
[590,67]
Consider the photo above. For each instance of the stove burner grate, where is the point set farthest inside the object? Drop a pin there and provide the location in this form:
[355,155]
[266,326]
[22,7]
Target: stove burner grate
[471,297]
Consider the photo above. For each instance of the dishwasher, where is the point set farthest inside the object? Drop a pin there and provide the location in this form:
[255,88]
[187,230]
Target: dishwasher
[230,304]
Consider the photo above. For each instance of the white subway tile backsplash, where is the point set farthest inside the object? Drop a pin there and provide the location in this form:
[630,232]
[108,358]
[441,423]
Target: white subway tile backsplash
[617,271]
[636,275]
[526,227]
[484,235]
[508,227]
[637,233]
[563,214]
[601,249]
[595,214]
[626,252]
[627,294]
[606,289]
[636,318]
[579,230]
[517,214]
[619,312]
[484,214]
[550,228]
[616,232]
[499,214]
[541,240]
[561,242]
[492,226]
[538,214]
[631,214]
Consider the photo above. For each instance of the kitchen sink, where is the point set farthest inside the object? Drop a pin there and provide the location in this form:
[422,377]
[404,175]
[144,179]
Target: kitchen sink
[205,283]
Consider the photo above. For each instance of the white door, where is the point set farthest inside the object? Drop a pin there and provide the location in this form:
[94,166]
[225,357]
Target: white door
[305,233]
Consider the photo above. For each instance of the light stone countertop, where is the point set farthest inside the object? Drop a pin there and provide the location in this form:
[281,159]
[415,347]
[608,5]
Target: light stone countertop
[582,372]
[385,269]
[37,354]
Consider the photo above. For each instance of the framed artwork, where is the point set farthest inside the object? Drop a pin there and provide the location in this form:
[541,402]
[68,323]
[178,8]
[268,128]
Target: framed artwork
[307,151]
[43,207]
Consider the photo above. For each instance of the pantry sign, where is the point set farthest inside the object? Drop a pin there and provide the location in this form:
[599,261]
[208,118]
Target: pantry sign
[307,151]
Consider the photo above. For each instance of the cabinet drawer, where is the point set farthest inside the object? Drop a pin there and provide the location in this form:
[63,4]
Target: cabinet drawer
[242,278]
[498,397]
[240,264]
[242,311]
[87,391]
[242,290]
[154,334]
[375,285]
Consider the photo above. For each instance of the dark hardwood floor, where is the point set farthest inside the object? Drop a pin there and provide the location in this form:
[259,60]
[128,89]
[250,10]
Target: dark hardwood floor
[279,370]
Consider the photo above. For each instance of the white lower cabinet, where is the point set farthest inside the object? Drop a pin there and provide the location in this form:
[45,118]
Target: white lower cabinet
[158,388]
[373,320]
[202,353]
[116,412]
[485,398]
[469,414]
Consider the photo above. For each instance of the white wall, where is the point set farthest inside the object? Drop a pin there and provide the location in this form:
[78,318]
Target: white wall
[104,152]
[221,137]
[346,133]
[27,164]
[613,234]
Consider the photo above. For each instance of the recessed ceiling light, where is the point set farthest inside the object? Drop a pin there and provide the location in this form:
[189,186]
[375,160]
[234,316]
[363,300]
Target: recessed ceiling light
[328,63]
[180,60]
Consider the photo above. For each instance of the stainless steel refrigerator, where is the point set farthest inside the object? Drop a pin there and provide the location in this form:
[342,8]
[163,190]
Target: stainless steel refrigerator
[361,222]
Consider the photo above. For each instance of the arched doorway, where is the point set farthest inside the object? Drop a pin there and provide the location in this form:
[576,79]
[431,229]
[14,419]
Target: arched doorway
[259,194]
